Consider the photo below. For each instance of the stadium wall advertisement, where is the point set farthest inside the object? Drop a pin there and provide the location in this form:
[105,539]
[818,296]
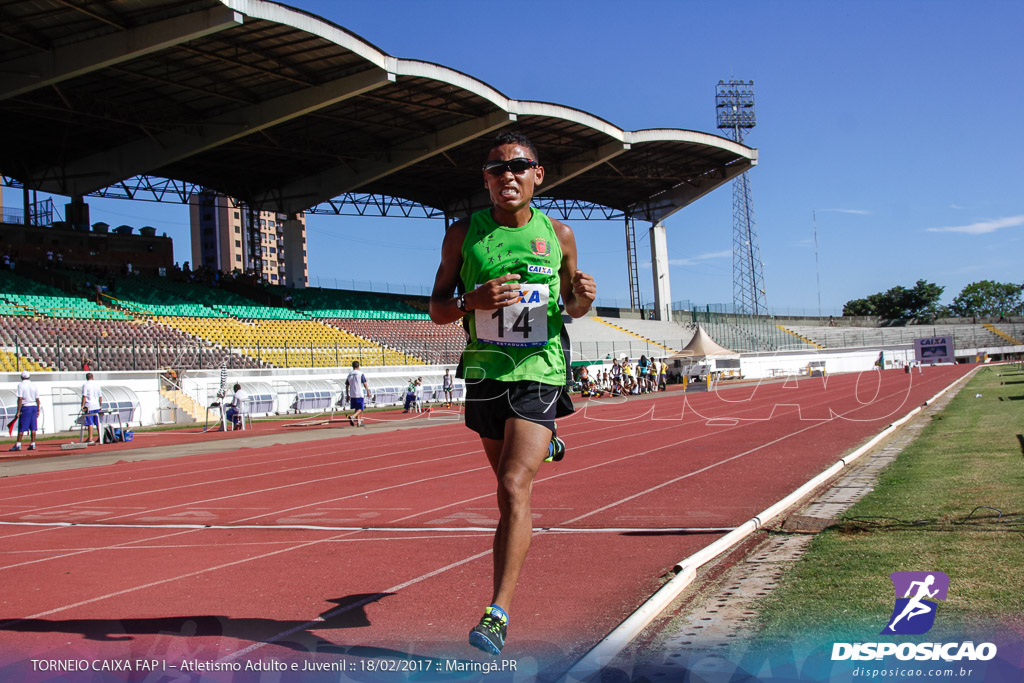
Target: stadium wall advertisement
[931,350]
[61,392]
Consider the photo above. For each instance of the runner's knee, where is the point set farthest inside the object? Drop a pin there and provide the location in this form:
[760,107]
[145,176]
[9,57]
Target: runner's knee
[514,486]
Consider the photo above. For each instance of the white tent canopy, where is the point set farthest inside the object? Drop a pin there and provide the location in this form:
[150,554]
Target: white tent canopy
[702,347]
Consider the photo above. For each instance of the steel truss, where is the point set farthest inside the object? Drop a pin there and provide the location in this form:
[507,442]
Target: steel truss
[154,189]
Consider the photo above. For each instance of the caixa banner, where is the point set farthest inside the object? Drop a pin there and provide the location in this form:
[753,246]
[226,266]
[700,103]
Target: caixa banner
[928,350]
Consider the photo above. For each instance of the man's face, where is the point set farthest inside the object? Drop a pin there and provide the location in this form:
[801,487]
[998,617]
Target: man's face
[508,191]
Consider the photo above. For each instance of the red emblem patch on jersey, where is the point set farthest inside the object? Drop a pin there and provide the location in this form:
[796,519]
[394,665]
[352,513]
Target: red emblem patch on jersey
[540,247]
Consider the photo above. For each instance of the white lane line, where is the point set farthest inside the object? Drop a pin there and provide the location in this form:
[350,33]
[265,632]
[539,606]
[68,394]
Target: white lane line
[80,551]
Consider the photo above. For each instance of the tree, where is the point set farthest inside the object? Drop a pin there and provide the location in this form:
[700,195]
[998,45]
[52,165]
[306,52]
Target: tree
[988,299]
[899,302]
[924,300]
[858,307]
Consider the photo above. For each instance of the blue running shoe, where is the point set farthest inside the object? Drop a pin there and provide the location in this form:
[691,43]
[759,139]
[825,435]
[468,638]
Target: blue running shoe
[489,634]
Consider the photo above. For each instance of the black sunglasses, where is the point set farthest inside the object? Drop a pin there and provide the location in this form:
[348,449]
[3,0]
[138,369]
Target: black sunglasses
[518,166]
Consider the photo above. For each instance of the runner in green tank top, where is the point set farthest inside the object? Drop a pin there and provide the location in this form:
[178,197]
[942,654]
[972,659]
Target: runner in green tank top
[521,341]
[505,269]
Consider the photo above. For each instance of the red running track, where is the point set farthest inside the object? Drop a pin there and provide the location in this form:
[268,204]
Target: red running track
[376,546]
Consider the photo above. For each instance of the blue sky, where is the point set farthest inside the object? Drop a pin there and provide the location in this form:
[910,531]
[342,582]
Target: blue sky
[898,123]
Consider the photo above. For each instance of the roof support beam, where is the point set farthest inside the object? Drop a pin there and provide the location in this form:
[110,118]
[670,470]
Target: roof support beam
[26,74]
[147,154]
[581,163]
[662,205]
[314,189]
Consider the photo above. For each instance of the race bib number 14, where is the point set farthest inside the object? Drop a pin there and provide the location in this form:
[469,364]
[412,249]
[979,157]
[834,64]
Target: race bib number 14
[524,323]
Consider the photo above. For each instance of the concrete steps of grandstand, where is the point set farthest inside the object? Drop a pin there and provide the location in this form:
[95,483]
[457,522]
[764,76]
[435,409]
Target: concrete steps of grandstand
[1003,335]
[184,402]
[623,327]
[966,335]
[739,338]
[801,337]
[592,339]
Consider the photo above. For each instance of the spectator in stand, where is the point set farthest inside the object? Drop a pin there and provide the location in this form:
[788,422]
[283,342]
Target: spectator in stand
[92,404]
[86,365]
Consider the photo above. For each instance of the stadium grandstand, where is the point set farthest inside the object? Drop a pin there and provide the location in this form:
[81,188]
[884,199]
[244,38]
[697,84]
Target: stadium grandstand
[153,323]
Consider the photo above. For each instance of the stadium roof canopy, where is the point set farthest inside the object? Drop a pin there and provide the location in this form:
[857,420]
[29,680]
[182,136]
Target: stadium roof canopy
[286,110]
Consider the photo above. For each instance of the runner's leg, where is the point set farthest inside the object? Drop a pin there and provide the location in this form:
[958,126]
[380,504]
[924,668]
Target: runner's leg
[515,462]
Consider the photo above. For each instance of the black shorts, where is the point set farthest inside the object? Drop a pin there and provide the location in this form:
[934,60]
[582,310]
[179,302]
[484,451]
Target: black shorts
[490,402]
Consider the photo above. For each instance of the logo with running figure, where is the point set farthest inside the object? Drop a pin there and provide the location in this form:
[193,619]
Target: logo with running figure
[916,596]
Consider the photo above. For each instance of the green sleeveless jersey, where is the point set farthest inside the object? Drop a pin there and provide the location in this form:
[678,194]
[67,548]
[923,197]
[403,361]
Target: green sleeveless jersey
[521,341]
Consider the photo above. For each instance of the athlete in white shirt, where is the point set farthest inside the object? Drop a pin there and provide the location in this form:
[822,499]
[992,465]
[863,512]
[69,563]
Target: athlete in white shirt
[27,414]
[358,390]
[92,403]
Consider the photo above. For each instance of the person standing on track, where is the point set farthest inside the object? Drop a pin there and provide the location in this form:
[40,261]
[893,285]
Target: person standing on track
[616,373]
[503,271]
[27,413]
[92,403]
[357,390]
[447,385]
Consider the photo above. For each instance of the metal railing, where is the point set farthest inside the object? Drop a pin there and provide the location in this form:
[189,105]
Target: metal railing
[106,355]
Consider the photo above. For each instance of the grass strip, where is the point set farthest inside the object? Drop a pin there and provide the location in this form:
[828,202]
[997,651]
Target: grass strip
[953,501]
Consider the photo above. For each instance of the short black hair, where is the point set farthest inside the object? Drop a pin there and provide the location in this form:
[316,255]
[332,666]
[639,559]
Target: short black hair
[237,387]
[514,137]
[355,364]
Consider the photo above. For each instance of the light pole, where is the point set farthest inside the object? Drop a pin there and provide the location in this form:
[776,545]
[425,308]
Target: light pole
[734,104]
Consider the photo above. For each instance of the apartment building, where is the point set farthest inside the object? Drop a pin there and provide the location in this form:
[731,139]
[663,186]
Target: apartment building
[273,245]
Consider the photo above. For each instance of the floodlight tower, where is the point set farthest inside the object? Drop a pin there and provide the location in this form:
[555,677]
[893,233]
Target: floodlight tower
[734,102]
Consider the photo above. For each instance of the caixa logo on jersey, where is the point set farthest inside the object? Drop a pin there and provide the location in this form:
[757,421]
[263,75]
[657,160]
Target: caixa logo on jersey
[917,598]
